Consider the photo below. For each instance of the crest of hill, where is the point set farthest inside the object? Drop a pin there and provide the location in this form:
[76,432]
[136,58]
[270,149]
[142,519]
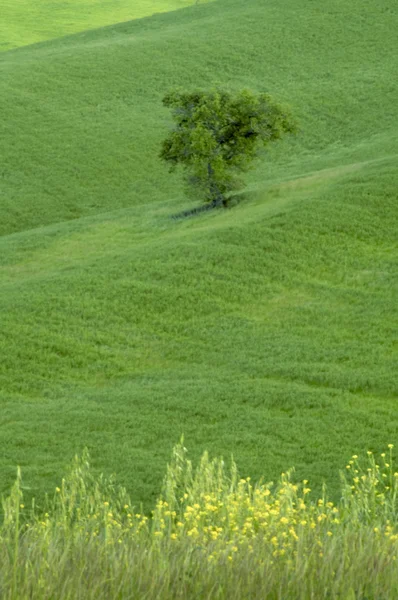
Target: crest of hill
[26,22]
[82,116]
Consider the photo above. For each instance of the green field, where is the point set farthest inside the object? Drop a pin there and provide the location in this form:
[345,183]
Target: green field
[26,22]
[268,330]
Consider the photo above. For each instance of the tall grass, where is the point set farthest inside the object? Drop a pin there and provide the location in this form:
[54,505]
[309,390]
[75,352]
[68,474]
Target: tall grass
[210,535]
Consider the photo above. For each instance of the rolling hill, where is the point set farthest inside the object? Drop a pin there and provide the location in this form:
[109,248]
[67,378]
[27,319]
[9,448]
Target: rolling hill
[268,330]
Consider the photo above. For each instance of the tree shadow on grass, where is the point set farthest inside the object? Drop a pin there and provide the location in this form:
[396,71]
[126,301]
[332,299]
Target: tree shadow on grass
[229,202]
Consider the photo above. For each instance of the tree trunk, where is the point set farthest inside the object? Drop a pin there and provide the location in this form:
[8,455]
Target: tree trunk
[217,198]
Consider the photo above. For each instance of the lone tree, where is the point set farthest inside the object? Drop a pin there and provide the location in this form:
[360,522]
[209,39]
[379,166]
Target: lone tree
[218,134]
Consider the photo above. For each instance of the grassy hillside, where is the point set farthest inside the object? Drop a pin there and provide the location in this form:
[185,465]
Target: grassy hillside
[267,330]
[82,116]
[26,22]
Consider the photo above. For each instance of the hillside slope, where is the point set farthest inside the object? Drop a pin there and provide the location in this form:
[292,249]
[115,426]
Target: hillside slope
[268,330]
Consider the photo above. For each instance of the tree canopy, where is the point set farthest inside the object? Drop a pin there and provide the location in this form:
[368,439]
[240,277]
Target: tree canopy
[218,134]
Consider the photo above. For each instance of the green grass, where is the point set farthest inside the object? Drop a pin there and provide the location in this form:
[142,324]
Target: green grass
[266,331]
[26,22]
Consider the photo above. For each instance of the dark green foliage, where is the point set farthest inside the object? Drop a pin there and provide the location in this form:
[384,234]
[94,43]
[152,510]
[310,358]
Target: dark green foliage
[218,134]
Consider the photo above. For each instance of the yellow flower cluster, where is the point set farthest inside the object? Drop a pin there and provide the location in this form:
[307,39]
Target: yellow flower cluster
[232,519]
[236,520]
